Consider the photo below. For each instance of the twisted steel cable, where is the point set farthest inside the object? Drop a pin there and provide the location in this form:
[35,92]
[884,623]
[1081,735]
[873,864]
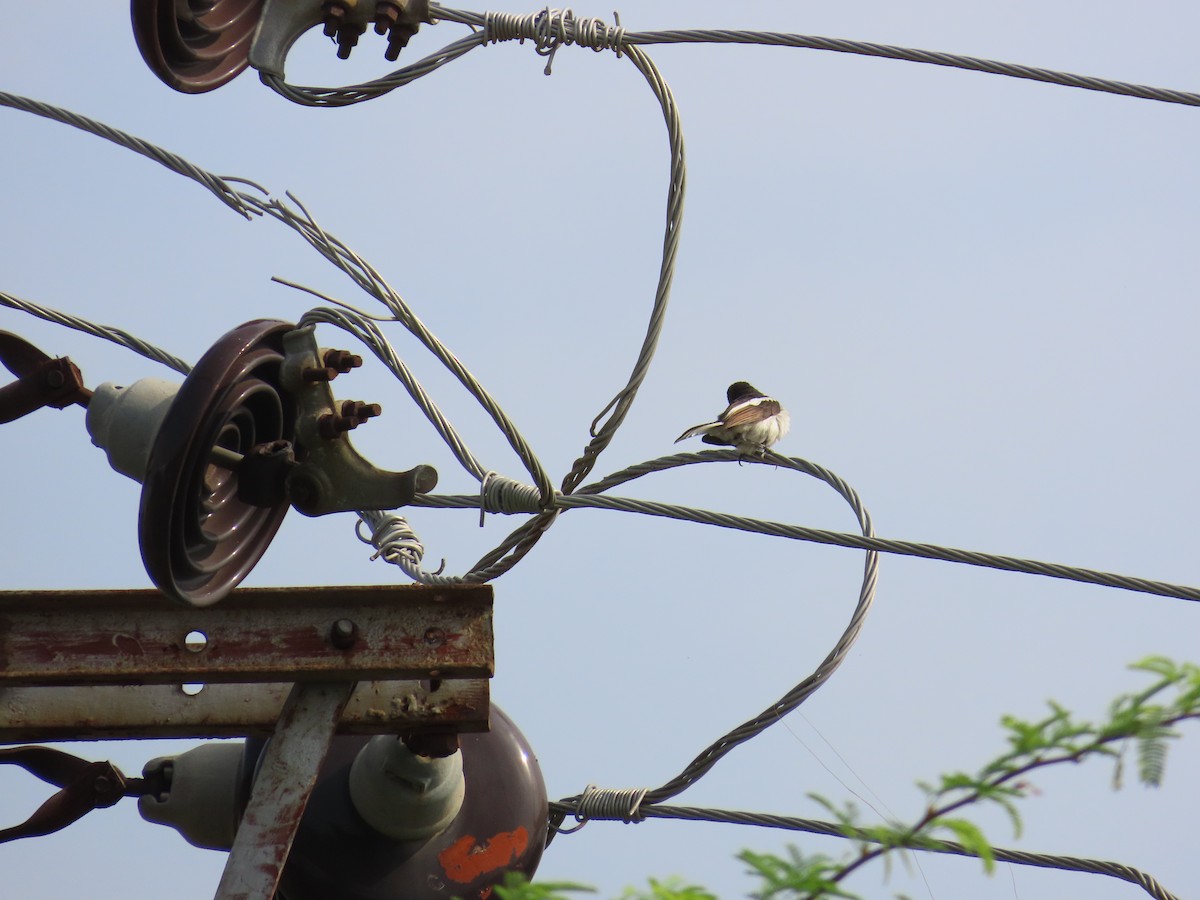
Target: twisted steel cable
[117,335]
[552,28]
[815,826]
[217,185]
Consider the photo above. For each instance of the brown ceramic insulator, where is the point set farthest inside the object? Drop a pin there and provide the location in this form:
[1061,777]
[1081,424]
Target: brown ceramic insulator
[195,46]
[199,536]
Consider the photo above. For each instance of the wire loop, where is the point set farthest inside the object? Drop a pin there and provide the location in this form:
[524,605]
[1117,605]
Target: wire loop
[610,803]
[395,541]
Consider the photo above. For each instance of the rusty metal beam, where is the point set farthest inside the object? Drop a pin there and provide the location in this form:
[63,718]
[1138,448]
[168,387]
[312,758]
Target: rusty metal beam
[286,776]
[254,635]
[102,712]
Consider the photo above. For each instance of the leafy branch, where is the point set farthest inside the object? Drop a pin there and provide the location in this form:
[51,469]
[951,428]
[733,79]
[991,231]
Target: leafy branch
[1144,718]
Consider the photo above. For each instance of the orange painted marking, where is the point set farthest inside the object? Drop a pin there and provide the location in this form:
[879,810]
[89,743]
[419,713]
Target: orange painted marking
[466,859]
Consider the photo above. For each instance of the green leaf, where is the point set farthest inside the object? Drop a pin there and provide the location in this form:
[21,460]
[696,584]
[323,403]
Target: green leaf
[517,887]
[800,875]
[671,889]
[1152,755]
[1158,665]
[968,834]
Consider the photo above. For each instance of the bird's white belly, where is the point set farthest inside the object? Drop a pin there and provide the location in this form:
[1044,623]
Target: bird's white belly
[766,432]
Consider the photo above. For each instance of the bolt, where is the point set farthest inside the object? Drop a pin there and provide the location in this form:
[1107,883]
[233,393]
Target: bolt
[315,374]
[102,784]
[341,360]
[347,38]
[435,637]
[398,39]
[330,426]
[343,634]
[432,745]
[55,379]
[359,411]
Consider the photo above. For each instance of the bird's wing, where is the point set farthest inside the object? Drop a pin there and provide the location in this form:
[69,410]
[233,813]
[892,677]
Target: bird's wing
[750,411]
[698,429]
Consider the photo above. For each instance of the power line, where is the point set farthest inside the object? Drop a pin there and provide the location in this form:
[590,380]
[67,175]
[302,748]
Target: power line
[594,810]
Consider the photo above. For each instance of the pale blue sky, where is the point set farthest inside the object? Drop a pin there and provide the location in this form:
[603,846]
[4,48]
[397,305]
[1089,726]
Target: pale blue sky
[974,294]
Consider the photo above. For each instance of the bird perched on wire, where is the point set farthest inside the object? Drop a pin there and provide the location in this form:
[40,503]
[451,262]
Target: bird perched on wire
[752,422]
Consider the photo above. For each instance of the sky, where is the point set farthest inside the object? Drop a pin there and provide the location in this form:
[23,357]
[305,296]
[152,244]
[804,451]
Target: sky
[973,293]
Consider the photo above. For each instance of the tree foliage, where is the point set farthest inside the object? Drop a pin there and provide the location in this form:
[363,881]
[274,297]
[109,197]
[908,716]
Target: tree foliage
[1146,720]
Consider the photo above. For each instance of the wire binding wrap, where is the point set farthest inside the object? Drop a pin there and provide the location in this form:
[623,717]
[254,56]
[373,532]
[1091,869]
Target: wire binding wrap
[610,804]
[501,494]
[395,542]
[550,29]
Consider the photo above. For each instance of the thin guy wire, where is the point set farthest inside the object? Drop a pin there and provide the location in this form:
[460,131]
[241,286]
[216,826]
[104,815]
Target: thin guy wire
[343,96]
[815,826]
[584,499]
[368,333]
[908,54]
[218,186]
[107,332]
[372,282]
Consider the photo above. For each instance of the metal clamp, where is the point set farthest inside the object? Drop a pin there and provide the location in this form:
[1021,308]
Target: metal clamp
[85,786]
[42,381]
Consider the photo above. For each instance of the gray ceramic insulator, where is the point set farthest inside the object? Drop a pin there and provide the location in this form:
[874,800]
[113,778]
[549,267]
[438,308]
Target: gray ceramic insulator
[402,795]
[124,421]
[203,802]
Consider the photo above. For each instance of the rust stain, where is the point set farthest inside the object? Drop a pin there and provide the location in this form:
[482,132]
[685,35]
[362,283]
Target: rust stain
[467,858]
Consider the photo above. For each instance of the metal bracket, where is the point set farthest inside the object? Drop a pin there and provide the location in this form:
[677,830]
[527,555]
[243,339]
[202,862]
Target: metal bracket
[333,477]
[283,21]
[136,646]
[255,635]
[286,777]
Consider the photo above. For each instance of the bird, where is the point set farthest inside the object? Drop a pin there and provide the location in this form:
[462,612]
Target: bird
[752,422]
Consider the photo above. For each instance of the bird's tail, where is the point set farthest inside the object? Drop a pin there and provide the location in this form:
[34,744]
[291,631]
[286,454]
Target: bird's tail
[698,429]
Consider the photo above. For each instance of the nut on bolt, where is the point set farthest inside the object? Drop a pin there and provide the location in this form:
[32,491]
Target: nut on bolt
[345,33]
[359,411]
[352,414]
[387,12]
[343,634]
[334,12]
[341,360]
[333,363]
